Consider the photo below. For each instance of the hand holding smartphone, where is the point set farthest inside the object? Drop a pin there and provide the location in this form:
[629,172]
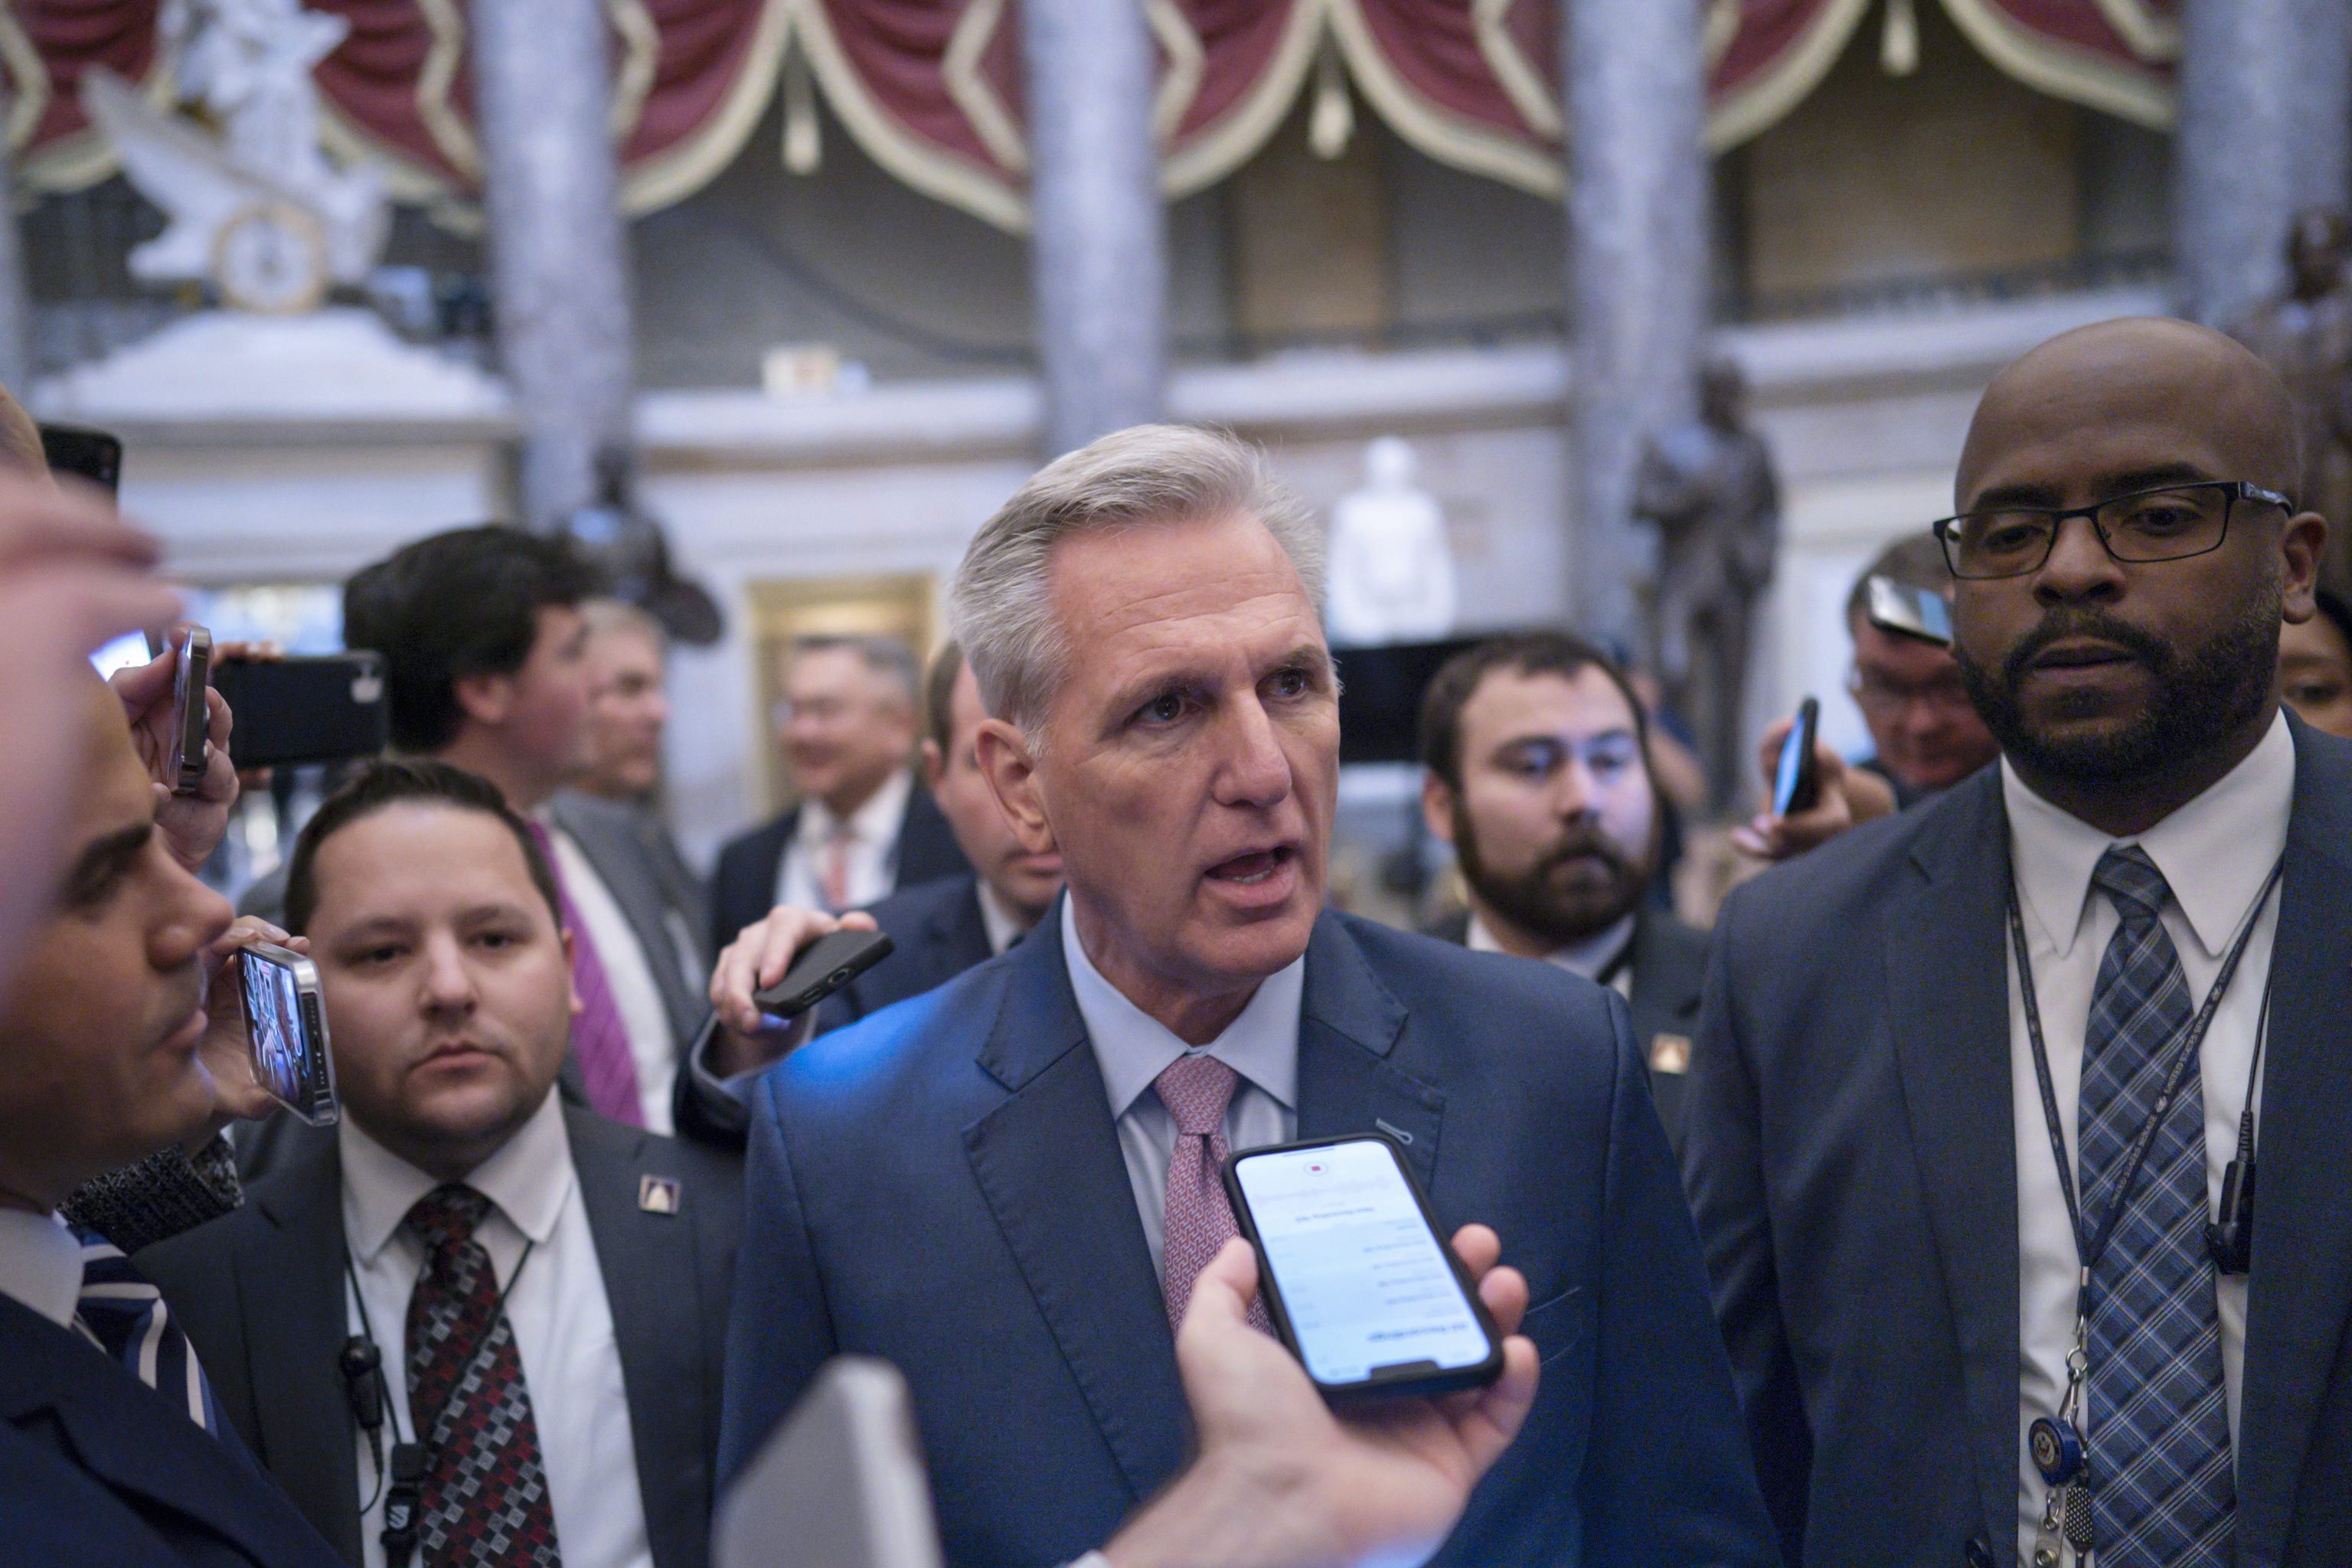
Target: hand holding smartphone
[1797,782]
[1356,1279]
[190,715]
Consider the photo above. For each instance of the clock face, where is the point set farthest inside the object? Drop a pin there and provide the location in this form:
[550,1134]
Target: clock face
[271,257]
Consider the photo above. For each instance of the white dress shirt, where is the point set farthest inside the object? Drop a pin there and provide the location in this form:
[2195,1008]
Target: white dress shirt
[636,995]
[1132,1049]
[1004,926]
[1590,958]
[873,847]
[40,1264]
[2216,852]
[562,1327]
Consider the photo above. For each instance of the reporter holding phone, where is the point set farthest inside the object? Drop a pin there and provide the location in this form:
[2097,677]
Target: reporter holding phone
[1008,1186]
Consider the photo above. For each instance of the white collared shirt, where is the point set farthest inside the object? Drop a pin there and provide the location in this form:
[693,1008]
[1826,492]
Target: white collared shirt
[873,847]
[1004,926]
[1588,958]
[40,1264]
[1132,1049]
[2215,852]
[562,1326]
[636,995]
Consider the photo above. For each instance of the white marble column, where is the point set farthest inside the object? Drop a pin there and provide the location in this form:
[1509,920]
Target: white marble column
[558,251]
[2323,157]
[1097,251]
[2248,71]
[1638,266]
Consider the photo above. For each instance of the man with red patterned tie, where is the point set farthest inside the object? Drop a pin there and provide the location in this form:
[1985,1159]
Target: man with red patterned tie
[1009,1185]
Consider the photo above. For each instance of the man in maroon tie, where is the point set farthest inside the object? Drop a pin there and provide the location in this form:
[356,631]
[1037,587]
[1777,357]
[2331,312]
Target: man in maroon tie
[1008,1186]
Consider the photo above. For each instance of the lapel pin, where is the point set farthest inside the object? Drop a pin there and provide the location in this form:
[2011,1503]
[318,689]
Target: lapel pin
[657,1194]
[1670,1053]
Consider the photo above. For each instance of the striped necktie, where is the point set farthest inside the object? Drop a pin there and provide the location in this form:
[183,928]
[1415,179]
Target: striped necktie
[122,1313]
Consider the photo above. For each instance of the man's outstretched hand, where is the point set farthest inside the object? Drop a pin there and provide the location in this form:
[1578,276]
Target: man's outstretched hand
[1281,1480]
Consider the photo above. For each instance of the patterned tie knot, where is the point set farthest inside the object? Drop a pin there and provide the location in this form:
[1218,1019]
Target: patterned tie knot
[1196,1089]
[447,1216]
[2127,875]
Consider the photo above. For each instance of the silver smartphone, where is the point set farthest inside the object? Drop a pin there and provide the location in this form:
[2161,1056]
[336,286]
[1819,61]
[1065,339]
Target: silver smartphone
[840,1482]
[286,1028]
[1910,612]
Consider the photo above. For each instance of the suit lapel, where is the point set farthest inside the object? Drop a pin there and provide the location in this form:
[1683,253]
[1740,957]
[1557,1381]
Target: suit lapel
[118,1431]
[652,1285]
[1048,1164]
[1350,1023]
[289,1278]
[2299,1293]
[1948,1011]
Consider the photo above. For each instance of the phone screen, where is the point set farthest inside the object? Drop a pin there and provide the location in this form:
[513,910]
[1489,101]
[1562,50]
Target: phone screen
[1792,785]
[1366,1285]
[287,1061]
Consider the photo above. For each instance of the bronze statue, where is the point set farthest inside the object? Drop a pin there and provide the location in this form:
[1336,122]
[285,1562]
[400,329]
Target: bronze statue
[2305,333]
[1710,488]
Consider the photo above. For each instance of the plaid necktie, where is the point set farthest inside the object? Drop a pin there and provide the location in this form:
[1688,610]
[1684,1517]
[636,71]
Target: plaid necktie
[599,1040]
[485,1494]
[2163,1491]
[124,1315]
[1197,1219]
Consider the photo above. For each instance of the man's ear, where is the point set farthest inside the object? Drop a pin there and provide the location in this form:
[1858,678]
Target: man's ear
[1437,807]
[1011,770]
[935,766]
[484,699]
[2305,535]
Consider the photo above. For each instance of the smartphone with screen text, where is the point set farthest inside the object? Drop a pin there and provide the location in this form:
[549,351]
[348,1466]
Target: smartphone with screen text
[286,1028]
[1356,1279]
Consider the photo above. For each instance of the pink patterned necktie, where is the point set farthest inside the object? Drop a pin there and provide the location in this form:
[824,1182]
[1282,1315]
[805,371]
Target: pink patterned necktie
[598,1037]
[1198,1220]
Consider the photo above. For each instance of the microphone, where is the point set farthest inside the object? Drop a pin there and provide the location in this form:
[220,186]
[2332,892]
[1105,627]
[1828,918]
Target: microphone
[361,1362]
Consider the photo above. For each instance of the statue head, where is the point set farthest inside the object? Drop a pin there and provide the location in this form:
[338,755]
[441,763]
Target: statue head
[1388,463]
[2316,248]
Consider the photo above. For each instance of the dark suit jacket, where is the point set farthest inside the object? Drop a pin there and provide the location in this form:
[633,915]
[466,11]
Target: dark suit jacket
[94,1468]
[1853,1169]
[941,1185]
[743,888]
[261,1294]
[937,933]
[639,864]
[1667,963]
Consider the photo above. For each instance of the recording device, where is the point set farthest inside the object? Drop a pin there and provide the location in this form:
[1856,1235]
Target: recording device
[191,718]
[309,709]
[823,967]
[91,455]
[1359,1285]
[1908,612]
[1797,782]
[287,1031]
[841,1483]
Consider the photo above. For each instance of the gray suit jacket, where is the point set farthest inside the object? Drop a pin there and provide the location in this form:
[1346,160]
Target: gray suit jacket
[641,868]
[1852,1166]
[261,1295]
[1666,966]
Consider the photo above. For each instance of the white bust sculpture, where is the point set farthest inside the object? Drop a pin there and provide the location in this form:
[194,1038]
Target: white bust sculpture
[1391,574]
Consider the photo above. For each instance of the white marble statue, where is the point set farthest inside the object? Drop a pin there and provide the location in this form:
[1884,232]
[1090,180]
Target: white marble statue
[1392,575]
[258,209]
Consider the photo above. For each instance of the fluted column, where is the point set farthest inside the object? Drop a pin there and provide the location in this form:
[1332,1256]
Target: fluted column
[557,255]
[1637,284]
[1097,249]
[2247,77]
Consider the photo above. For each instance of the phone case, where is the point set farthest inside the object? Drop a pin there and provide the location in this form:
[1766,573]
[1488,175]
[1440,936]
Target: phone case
[1270,1289]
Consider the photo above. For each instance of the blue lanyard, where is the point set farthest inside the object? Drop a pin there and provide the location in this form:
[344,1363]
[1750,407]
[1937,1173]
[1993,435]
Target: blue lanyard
[2089,1248]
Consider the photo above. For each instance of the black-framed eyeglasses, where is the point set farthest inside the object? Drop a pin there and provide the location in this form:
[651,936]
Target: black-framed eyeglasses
[2170,522]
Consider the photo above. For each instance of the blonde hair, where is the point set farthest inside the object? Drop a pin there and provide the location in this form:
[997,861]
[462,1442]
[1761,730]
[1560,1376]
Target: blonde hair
[999,606]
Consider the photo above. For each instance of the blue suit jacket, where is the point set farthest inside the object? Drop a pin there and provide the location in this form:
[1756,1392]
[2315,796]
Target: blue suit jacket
[941,1185]
[1852,1157]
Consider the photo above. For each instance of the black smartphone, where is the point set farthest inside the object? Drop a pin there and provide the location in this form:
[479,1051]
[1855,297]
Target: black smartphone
[821,968]
[312,710]
[1909,612]
[287,1030]
[1357,1282]
[92,455]
[1797,782]
[190,716]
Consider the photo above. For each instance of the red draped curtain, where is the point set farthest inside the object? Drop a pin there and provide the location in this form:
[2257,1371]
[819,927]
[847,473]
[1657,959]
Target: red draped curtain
[932,88]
